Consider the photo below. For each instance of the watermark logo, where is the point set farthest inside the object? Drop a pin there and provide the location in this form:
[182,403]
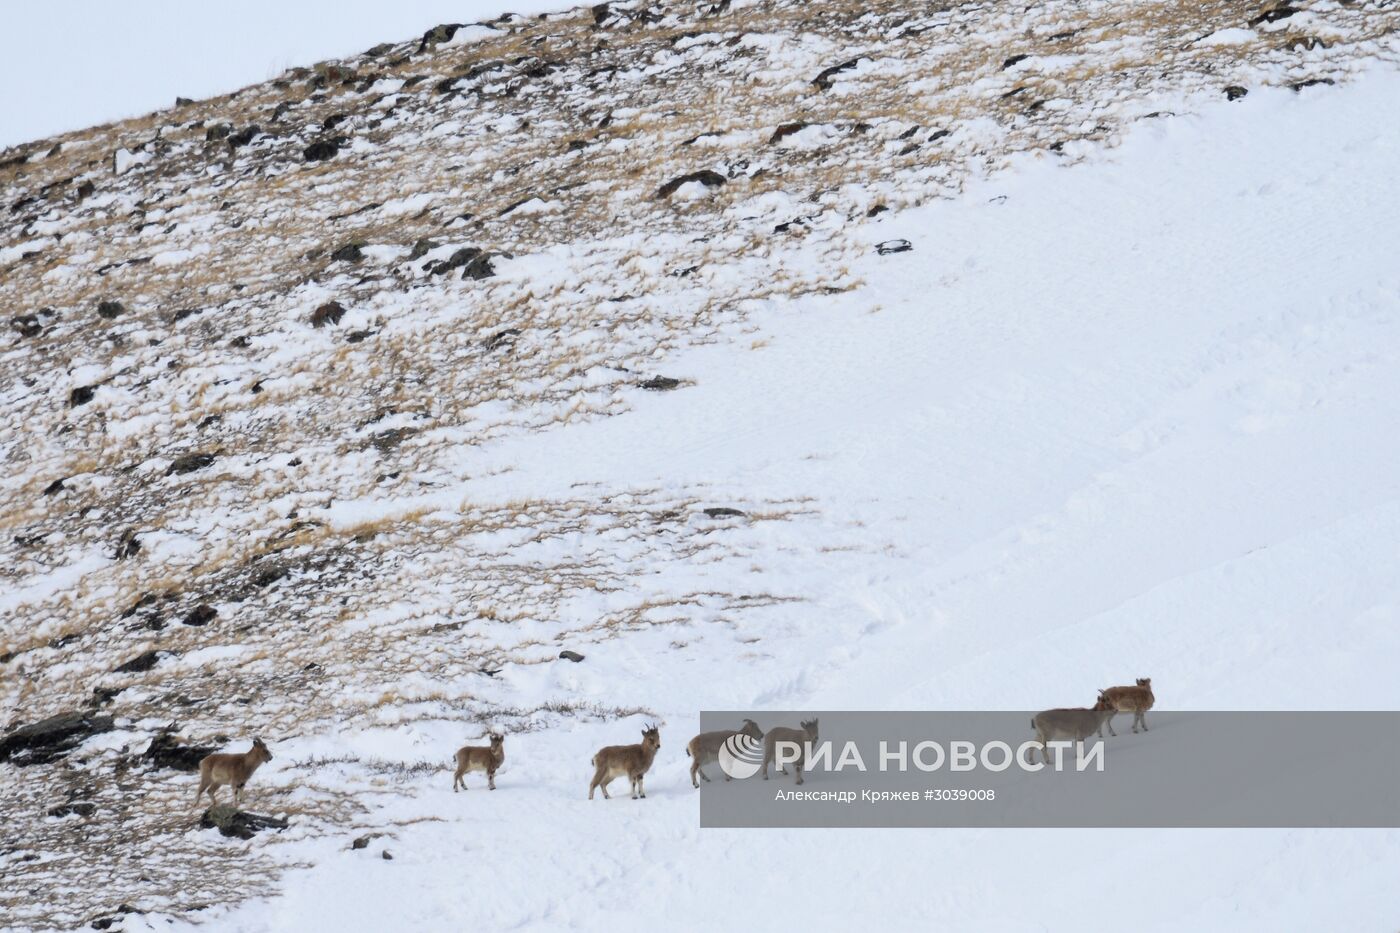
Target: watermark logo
[741,756]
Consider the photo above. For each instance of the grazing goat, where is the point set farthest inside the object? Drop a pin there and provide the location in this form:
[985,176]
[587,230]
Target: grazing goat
[480,758]
[1074,725]
[222,768]
[1136,700]
[632,760]
[704,748]
[804,737]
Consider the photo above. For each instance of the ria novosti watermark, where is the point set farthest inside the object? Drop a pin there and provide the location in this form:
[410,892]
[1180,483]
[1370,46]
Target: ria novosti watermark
[1208,769]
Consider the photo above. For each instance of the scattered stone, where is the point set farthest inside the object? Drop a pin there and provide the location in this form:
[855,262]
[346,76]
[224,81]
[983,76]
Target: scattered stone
[101,696]
[322,149]
[705,177]
[386,856]
[660,384]
[501,337]
[350,252]
[107,310]
[1274,14]
[140,664]
[724,512]
[183,102]
[266,576]
[217,132]
[479,268]
[362,842]
[571,656]
[238,824]
[189,463]
[876,210]
[823,81]
[85,190]
[52,738]
[893,246]
[1013,60]
[166,751]
[128,545]
[443,33]
[1310,82]
[71,809]
[28,325]
[81,396]
[329,313]
[1235,92]
[200,615]
[244,137]
[55,486]
[422,248]
[786,130]
[359,336]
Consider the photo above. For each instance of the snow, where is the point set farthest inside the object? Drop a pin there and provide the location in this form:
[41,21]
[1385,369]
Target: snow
[1131,418]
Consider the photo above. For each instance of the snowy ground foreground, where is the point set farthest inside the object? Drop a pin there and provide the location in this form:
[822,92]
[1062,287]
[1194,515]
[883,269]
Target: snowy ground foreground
[124,59]
[1129,418]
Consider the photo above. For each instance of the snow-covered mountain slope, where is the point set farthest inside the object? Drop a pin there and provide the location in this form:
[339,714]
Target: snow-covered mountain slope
[1133,417]
[1118,412]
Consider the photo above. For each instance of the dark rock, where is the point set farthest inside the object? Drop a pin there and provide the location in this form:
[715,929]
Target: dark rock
[108,310]
[361,842]
[1013,60]
[69,809]
[706,177]
[660,384]
[386,856]
[184,313]
[386,441]
[55,486]
[501,337]
[244,137]
[28,325]
[1310,82]
[422,248]
[238,824]
[127,545]
[786,130]
[266,576]
[723,512]
[1235,92]
[183,102]
[329,313]
[189,463]
[139,664]
[166,751]
[462,257]
[86,189]
[81,396]
[823,80]
[359,336]
[101,696]
[1274,14]
[876,210]
[350,252]
[202,614]
[571,656]
[52,738]
[321,150]
[1013,92]
[479,268]
[893,246]
[438,34]
[217,132]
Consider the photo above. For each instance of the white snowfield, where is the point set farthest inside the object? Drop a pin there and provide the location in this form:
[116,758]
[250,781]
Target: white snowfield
[1133,418]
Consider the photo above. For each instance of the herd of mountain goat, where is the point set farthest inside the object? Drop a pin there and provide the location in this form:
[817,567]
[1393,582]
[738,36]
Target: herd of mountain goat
[634,761]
